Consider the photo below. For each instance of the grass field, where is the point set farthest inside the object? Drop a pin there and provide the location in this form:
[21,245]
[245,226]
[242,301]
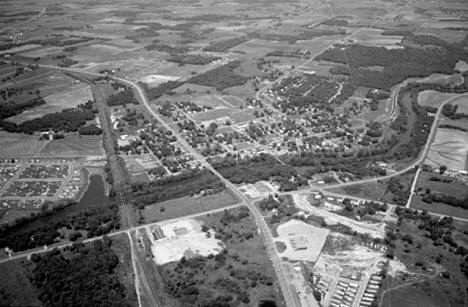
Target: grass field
[209,101]
[454,188]
[450,148]
[74,146]
[16,145]
[430,98]
[212,114]
[15,287]
[187,205]
[440,208]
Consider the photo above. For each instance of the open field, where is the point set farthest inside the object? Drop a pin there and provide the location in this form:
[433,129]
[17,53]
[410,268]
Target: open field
[139,163]
[439,208]
[15,145]
[450,148]
[74,146]
[453,187]
[209,101]
[213,114]
[374,37]
[434,99]
[186,206]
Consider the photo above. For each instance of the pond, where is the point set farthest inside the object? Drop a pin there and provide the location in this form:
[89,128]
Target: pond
[95,195]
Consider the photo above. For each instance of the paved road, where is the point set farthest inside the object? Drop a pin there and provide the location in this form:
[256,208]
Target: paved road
[265,230]
[263,227]
[418,161]
[312,58]
[116,233]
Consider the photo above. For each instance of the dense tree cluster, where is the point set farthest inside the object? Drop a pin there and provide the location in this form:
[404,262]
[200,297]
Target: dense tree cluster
[67,120]
[192,59]
[307,34]
[37,231]
[163,88]
[283,205]
[399,64]
[185,184]
[8,109]
[225,45]
[221,77]
[79,276]
[400,191]
[123,97]
[261,167]
[90,130]
[172,50]
[450,111]
[450,200]
[325,162]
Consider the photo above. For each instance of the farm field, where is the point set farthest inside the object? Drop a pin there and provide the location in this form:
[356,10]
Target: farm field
[449,148]
[434,99]
[74,146]
[283,99]
[76,95]
[186,206]
[15,145]
[374,37]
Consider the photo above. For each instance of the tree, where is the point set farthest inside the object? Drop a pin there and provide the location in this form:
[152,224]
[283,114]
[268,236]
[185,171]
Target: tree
[442,169]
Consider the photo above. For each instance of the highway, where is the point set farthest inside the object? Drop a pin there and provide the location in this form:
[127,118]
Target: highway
[263,227]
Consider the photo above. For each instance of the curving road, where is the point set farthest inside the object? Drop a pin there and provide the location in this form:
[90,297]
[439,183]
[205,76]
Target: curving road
[263,227]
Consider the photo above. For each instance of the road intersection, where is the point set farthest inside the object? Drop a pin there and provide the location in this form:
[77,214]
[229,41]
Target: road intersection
[244,200]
